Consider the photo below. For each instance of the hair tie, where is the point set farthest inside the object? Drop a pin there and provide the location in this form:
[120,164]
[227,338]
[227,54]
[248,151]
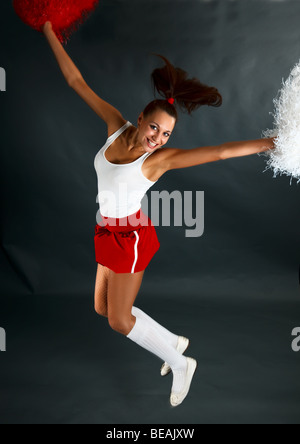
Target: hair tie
[171,100]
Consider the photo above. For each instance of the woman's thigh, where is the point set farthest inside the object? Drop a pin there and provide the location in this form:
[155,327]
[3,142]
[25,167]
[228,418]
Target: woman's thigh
[122,292]
[101,288]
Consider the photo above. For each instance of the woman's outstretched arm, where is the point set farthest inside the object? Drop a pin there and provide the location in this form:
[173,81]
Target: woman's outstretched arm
[111,116]
[173,158]
[67,66]
[240,149]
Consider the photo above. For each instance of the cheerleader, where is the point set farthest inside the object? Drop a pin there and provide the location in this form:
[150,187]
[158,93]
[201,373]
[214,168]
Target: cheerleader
[134,159]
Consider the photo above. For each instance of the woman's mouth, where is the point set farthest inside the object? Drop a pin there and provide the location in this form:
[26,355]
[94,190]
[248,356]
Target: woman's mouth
[151,144]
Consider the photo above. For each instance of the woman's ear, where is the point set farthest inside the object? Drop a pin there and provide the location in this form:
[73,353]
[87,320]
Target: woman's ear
[140,119]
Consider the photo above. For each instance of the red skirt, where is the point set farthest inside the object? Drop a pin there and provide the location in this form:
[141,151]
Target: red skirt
[126,245]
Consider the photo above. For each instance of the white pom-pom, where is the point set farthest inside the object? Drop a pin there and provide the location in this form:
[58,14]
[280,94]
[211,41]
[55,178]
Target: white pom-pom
[285,158]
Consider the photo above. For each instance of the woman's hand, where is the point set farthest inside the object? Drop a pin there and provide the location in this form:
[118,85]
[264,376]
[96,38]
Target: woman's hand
[47,27]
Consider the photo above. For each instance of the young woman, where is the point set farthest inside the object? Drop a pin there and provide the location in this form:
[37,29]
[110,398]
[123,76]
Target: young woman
[133,159]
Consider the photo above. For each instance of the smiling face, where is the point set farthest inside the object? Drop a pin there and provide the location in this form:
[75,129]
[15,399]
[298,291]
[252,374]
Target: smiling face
[155,130]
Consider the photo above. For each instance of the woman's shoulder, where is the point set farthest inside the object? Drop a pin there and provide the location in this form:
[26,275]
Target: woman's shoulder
[154,163]
[115,125]
[159,162]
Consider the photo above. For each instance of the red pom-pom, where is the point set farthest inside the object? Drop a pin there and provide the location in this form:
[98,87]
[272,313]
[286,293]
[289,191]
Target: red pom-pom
[65,15]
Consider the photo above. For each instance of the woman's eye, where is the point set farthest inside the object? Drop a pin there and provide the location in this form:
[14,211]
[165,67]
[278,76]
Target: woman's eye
[155,128]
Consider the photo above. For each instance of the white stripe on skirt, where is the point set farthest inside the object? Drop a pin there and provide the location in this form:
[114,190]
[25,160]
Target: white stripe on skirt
[135,251]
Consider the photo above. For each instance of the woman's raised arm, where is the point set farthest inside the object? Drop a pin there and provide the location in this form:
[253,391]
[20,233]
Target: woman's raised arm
[67,66]
[107,112]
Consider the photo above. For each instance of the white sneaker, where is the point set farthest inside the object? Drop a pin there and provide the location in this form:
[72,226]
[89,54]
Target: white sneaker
[177,398]
[182,346]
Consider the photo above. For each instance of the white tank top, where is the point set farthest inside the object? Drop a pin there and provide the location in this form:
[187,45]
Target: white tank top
[121,187]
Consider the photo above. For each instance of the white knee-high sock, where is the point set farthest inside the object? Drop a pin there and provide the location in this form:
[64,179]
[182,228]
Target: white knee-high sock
[170,337]
[148,337]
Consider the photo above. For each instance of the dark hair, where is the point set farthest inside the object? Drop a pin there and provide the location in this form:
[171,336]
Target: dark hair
[189,93]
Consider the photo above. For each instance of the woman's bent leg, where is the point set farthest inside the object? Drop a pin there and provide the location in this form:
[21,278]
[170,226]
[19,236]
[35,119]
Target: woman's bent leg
[122,291]
[101,290]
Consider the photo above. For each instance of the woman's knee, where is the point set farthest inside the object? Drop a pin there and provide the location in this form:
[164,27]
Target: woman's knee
[122,325]
[101,311]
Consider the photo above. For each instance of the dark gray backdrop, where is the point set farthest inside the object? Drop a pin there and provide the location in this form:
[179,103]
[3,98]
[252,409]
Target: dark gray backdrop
[234,291]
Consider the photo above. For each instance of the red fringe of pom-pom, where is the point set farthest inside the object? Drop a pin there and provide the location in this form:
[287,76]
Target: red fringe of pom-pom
[66,16]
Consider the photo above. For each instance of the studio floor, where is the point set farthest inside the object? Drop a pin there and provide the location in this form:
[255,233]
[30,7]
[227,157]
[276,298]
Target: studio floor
[64,365]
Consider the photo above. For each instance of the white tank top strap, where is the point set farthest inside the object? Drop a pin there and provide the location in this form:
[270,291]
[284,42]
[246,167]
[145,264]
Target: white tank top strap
[142,158]
[117,134]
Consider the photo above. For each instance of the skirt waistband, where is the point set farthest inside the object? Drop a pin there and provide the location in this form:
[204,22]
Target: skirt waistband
[125,224]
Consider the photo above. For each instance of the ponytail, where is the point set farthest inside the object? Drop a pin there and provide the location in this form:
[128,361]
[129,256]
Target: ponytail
[188,93]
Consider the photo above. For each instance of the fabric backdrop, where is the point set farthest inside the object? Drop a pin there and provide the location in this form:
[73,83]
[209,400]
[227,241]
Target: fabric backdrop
[234,290]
